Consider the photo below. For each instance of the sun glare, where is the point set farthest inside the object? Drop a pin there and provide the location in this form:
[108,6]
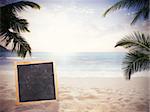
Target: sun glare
[69,29]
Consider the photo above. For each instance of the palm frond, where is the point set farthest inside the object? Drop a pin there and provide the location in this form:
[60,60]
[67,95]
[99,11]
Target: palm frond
[19,6]
[135,62]
[116,6]
[137,4]
[140,6]
[11,26]
[19,44]
[19,25]
[136,41]
[9,19]
[144,12]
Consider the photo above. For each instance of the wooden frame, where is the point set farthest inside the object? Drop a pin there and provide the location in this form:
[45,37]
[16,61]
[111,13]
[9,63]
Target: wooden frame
[17,86]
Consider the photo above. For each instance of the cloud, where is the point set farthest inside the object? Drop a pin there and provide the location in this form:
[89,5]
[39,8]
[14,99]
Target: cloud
[59,27]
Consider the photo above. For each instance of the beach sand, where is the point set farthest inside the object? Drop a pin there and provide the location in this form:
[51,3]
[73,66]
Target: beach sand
[83,95]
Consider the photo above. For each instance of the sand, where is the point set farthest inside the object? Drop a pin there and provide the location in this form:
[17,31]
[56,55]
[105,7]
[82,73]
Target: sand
[83,95]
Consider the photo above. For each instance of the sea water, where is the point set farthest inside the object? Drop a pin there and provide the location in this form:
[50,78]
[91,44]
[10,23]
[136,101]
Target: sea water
[81,64]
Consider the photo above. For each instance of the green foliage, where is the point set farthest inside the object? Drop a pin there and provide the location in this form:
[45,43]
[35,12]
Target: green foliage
[11,26]
[141,7]
[19,44]
[20,6]
[135,62]
[138,58]
[136,41]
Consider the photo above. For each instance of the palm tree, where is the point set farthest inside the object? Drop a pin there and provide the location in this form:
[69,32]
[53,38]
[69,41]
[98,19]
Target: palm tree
[138,58]
[141,8]
[11,26]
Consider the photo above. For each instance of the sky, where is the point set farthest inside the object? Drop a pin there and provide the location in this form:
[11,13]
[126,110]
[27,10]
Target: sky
[77,26]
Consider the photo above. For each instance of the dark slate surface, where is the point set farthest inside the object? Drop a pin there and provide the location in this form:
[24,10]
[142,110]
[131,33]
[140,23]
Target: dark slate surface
[36,82]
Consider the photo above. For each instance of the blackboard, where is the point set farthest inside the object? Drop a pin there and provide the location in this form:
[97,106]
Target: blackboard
[35,81]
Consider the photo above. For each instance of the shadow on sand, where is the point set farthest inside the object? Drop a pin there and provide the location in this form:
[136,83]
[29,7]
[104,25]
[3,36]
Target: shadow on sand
[10,106]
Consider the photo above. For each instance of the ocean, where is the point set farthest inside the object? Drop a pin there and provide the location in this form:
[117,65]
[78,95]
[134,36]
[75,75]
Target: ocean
[81,64]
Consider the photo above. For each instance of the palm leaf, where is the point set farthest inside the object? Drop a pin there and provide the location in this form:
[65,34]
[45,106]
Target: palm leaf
[140,6]
[135,62]
[19,44]
[19,6]
[9,19]
[116,6]
[144,12]
[136,41]
[19,25]
[11,26]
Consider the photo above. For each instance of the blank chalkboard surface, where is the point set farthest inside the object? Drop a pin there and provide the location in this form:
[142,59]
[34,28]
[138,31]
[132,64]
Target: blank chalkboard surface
[36,82]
